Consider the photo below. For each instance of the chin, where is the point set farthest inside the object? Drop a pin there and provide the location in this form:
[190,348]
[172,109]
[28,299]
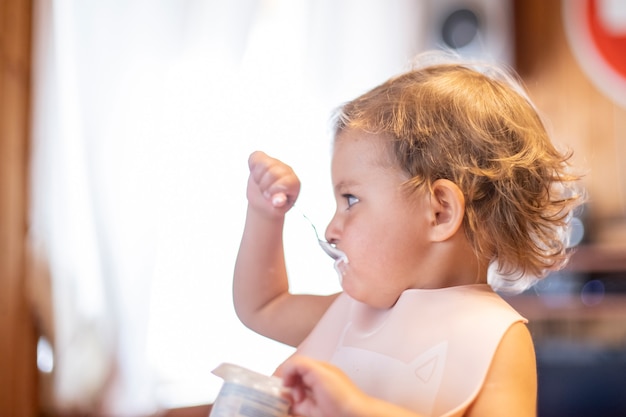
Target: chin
[366,297]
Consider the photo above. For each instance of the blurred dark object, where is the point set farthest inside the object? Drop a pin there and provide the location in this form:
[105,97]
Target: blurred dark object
[577,318]
[580,381]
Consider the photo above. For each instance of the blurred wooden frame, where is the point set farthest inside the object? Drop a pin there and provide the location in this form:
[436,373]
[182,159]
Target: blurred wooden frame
[18,336]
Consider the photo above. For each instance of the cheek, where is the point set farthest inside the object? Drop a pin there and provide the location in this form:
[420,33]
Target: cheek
[386,260]
[370,245]
[371,264]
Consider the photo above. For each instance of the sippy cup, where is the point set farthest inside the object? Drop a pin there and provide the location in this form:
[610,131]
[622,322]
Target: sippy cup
[248,393]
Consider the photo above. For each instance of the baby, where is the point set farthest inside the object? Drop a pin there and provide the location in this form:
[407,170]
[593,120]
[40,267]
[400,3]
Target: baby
[442,176]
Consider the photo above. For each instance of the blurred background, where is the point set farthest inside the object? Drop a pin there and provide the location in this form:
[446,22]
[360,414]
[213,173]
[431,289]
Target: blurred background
[125,128]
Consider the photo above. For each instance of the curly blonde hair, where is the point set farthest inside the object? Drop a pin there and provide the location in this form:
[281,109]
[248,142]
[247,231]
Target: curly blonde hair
[478,129]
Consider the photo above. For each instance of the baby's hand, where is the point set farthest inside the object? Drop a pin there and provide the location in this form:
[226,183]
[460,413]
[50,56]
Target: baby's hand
[273,186]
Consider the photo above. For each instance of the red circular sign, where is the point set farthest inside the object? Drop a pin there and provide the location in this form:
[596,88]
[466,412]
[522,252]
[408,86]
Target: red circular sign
[596,31]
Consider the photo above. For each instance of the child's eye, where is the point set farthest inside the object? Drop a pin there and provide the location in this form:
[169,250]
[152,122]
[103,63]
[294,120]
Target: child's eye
[352,200]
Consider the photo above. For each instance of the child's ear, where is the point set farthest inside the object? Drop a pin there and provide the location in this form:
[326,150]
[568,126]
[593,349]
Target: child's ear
[447,209]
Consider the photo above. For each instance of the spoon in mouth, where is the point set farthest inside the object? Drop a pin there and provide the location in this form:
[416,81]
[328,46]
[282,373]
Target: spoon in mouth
[341,259]
[330,249]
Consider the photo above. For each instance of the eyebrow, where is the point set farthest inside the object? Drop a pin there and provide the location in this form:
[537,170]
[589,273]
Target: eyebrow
[344,184]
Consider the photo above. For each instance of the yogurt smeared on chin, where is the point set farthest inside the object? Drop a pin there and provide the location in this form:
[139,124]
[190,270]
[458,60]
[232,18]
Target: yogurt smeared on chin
[341,259]
[341,264]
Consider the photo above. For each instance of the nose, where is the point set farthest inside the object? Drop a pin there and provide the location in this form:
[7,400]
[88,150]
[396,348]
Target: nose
[333,230]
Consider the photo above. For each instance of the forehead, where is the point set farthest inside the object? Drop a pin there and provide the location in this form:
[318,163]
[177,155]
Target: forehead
[365,148]
[363,155]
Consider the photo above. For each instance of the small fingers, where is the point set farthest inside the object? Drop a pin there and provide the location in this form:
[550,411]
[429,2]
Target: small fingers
[276,180]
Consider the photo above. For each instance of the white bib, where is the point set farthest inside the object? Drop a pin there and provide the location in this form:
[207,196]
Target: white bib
[430,352]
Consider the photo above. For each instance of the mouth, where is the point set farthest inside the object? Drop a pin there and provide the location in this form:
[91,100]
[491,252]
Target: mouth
[341,259]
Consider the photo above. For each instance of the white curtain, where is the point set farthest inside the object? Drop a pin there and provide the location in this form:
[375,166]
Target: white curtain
[144,115]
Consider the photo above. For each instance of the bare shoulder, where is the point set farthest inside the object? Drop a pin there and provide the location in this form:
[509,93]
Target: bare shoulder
[511,385]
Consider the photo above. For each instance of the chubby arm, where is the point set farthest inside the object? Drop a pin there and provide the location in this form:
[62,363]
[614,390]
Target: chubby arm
[511,385]
[260,286]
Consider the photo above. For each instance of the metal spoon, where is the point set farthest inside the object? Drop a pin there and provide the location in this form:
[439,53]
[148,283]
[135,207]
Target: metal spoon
[331,250]
[341,259]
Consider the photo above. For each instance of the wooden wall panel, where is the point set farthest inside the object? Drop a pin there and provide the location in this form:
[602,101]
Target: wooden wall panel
[578,115]
[18,374]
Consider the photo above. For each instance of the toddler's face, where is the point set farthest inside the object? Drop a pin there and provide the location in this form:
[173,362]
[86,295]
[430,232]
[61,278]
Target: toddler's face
[376,224]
